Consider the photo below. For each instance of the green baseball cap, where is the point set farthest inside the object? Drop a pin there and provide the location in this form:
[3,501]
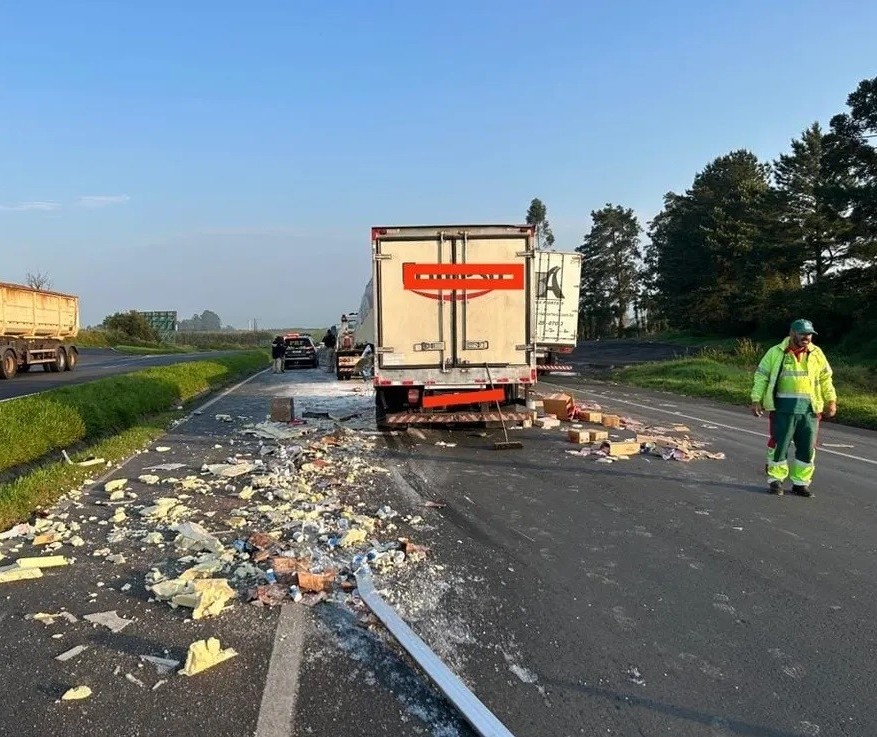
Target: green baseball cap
[804,327]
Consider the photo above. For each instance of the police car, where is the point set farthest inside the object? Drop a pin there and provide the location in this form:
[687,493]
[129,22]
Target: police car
[300,351]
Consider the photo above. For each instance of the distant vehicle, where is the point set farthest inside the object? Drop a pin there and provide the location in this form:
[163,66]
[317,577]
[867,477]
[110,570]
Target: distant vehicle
[300,351]
[37,329]
[352,339]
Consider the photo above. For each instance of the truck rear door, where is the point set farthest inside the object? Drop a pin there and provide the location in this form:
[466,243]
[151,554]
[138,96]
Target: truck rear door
[453,297]
[558,279]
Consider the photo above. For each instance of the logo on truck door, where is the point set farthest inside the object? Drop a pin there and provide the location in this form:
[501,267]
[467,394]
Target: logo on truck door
[548,281]
[460,281]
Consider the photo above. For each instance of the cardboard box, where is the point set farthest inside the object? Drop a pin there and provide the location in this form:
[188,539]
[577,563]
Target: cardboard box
[560,405]
[282,409]
[547,423]
[580,437]
[622,448]
[611,421]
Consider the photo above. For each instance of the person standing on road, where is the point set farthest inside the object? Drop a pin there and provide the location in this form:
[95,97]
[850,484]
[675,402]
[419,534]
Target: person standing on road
[329,342]
[278,352]
[793,384]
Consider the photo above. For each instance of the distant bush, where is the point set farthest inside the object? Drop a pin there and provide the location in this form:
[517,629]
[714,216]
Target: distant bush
[132,324]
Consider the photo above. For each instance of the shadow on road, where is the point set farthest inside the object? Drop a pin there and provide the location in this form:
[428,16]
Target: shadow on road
[727,725]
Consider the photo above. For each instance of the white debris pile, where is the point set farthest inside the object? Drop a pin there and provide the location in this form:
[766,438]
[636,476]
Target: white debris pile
[287,517]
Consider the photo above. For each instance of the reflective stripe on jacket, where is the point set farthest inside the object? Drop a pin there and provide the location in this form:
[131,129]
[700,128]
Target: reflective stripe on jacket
[818,382]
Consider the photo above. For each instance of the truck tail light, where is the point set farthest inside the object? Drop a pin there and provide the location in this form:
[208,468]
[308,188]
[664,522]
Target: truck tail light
[413,396]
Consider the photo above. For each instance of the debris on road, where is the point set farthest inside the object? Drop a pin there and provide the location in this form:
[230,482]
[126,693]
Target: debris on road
[71,653]
[162,665]
[87,462]
[133,679]
[656,441]
[204,654]
[286,518]
[166,467]
[49,619]
[28,568]
[110,620]
[77,693]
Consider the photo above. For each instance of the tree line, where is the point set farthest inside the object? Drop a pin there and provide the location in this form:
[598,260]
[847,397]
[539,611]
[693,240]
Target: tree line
[749,245]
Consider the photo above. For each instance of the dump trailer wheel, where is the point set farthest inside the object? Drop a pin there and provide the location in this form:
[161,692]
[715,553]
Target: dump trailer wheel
[60,362]
[72,358]
[8,365]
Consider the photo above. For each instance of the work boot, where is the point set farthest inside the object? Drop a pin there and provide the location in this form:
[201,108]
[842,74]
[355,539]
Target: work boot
[775,488]
[801,490]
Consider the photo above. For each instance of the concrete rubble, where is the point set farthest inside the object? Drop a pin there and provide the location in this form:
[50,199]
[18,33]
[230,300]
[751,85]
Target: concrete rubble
[287,518]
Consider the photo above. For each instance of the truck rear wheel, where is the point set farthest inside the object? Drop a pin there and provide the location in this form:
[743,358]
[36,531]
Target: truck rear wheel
[60,362]
[72,358]
[8,365]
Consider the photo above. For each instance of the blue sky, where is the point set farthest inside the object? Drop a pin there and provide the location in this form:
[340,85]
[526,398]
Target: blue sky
[233,156]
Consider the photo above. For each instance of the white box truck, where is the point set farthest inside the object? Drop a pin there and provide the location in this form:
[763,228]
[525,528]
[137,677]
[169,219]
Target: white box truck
[452,322]
[558,284]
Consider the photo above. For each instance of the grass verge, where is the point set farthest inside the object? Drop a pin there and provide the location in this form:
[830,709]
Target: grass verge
[726,375]
[43,486]
[31,427]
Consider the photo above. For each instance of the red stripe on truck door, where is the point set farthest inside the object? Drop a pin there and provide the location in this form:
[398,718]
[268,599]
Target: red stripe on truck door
[448,400]
[463,276]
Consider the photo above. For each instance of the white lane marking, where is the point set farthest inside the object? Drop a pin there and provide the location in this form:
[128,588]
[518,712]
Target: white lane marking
[20,396]
[228,391]
[822,448]
[277,710]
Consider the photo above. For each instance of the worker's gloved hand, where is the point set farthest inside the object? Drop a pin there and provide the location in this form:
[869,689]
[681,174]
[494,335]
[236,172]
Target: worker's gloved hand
[757,409]
[831,409]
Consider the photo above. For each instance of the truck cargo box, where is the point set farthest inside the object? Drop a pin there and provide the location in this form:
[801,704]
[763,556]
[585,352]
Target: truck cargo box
[36,328]
[30,313]
[453,316]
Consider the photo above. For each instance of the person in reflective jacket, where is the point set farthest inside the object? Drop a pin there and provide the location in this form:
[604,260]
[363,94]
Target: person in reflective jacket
[793,384]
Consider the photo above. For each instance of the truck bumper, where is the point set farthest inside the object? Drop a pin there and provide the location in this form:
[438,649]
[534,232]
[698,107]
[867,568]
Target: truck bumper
[449,418]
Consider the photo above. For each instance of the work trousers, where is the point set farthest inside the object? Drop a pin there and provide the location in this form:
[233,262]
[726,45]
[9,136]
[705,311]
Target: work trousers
[785,429]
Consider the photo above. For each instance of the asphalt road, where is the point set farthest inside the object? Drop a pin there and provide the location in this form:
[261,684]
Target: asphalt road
[637,598]
[615,353]
[650,597]
[94,363]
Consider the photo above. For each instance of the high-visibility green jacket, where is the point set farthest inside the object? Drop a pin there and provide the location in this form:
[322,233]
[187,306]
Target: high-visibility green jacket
[819,382]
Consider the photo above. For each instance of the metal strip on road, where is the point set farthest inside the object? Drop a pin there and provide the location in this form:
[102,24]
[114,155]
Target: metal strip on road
[277,711]
[707,422]
[472,709]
